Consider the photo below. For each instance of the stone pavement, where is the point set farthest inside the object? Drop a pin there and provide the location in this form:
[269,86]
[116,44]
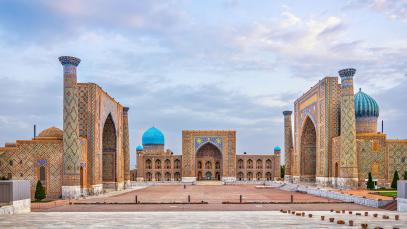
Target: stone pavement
[213,219]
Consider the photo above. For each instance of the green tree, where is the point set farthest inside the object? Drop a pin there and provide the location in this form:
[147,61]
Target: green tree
[39,192]
[395,179]
[370,183]
[282,171]
[405,175]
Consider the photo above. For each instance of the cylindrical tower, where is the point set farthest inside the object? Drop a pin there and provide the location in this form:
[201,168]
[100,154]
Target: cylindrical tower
[71,166]
[288,145]
[140,163]
[348,176]
[126,147]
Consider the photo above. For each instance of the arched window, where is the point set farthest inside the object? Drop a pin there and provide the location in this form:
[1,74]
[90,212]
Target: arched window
[158,164]
[158,176]
[268,164]
[250,176]
[167,176]
[148,176]
[43,176]
[217,165]
[149,164]
[259,164]
[177,164]
[240,164]
[268,176]
[240,176]
[258,176]
[199,164]
[177,176]
[168,164]
[249,164]
[208,165]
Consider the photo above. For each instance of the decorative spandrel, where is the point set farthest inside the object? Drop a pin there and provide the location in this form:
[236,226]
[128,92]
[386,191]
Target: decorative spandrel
[216,140]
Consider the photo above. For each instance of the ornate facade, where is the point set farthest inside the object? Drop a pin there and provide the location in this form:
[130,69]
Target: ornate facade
[335,137]
[206,155]
[89,155]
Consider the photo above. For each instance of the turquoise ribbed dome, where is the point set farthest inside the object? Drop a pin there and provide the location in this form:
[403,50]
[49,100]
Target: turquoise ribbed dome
[277,148]
[365,106]
[139,148]
[153,136]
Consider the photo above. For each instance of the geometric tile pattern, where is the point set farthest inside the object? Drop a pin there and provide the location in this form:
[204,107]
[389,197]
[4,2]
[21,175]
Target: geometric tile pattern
[397,151]
[71,163]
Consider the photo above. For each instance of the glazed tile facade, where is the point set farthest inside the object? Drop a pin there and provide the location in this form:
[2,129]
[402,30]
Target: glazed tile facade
[337,144]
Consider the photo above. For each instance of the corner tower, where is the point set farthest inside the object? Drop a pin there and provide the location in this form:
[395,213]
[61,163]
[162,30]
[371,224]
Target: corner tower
[126,146]
[288,145]
[348,172]
[71,166]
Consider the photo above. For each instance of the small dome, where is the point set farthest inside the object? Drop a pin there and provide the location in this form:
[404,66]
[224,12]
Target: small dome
[139,148]
[51,132]
[277,148]
[365,106]
[153,136]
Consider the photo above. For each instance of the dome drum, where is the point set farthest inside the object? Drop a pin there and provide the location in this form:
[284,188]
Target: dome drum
[366,113]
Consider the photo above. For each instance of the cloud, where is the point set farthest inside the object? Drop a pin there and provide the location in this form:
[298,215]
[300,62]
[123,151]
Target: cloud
[191,64]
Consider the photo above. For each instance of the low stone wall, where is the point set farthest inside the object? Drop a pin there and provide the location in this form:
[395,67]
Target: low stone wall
[333,195]
[401,205]
[16,207]
[402,195]
[154,183]
[15,196]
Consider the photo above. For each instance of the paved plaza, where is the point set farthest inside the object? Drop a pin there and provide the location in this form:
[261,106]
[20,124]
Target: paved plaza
[213,219]
[216,198]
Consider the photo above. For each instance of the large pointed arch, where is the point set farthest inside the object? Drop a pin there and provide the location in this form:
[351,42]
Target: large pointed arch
[308,150]
[109,151]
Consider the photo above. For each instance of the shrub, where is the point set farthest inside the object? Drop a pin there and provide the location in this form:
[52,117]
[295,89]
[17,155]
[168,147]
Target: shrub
[395,179]
[39,192]
[282,171]
[405,175]
[370,183]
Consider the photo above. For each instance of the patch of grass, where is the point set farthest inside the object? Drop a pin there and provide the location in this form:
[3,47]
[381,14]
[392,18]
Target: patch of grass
[389,193]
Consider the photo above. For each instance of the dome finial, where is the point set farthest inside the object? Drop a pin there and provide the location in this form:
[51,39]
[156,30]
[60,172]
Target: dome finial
[360,89]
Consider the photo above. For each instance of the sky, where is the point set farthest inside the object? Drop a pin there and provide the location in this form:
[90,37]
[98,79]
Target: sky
[225,64]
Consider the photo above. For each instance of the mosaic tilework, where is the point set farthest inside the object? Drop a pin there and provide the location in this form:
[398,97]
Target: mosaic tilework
[71,128]
[202,140]
[26,159]
[288,141]
[126,144]
[397,157]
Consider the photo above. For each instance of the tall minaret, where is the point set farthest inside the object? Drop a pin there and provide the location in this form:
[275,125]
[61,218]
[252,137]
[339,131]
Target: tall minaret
[348,160]
[126,147]
[72,153]
[288,145]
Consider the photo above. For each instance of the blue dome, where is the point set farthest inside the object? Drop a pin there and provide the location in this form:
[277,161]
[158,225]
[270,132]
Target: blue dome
[277,148]
[153,136]
[365,106]
[139,148]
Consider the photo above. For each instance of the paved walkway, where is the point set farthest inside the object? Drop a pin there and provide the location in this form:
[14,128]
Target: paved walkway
[221,219]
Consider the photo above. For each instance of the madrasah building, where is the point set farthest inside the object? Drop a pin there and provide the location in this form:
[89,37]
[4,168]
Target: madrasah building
[335,140]
[89,156]
[208,155]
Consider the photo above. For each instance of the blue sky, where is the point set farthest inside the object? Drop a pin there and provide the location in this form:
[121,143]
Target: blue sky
[199,64]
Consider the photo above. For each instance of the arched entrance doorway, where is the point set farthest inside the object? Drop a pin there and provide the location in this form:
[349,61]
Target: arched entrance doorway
[109,153]
[308,151]
[208,162]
